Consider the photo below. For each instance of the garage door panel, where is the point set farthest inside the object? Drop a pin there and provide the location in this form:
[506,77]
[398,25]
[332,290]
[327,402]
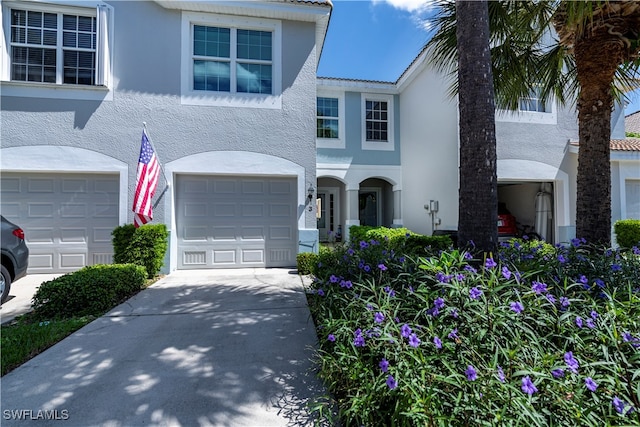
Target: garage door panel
[67,218]
[241,211]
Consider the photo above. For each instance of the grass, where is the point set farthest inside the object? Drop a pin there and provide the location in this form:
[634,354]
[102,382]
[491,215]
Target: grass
[24,339]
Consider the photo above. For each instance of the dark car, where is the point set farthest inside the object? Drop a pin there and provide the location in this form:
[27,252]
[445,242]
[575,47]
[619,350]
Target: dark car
[15,256]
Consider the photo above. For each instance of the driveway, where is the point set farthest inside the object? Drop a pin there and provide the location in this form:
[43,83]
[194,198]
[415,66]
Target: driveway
[198,348]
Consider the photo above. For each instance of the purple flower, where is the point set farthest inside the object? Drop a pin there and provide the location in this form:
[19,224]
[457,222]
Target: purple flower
[437,342]
[594,314]
[390,291]
[414,341]
[490,263]
[470,269]
[454,313]
[584,280]
[501,376]
[378,317]
[471,373]
[590,383]
[405,330]
[558,373]
[550,298]
[590,323]
[384,365]
[453,334]
[579,321]
[442,278]
[618,404]
[636,250]
[331,338]
[562,259]
[320,292]
[539,287]
[367,268]
[475,293]
[506,273]
[382,267]
[571,362]
[600,283]
[528,386]
[517,307]
[564,302]
[358,341]
[439,303]
[346,284]
[363,244]
[391,382]
[616,267]
[333,279]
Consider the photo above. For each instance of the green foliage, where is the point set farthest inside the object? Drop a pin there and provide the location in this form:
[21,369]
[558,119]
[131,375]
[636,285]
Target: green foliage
[632,134]
[627,232]
[90,291]
[24,340]
[400,240]
[145,246]
[397,339]
[306,262]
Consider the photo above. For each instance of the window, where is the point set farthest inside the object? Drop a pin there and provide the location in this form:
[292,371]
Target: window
[53,47]
[228,61]
[533,102]
[376,117]
[377,125]
[327,120]
[232,60]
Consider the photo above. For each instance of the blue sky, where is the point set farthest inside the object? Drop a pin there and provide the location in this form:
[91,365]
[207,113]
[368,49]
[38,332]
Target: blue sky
[377,40]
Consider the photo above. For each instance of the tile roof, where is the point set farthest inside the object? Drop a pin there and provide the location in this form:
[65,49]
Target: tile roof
[632,122]
[321,2]
[627,144]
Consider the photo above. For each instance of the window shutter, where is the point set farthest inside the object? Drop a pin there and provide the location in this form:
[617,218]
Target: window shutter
[103,46]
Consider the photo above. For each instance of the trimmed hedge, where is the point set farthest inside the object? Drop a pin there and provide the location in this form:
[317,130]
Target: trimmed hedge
[627,232]
[306,262]
[401,240]
[90,291]
[145,246]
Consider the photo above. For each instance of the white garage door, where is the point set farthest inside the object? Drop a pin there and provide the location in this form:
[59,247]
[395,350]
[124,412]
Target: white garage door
[233,222]
[67,218]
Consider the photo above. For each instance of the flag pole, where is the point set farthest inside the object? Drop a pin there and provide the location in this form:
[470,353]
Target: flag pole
[164,174]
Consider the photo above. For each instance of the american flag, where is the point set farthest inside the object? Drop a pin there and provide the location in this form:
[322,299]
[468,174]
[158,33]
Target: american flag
[146,182]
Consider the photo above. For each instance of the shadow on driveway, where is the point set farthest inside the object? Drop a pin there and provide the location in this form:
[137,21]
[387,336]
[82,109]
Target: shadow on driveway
[201,348]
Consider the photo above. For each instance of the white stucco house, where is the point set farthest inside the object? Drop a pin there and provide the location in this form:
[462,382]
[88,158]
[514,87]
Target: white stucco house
[261,158]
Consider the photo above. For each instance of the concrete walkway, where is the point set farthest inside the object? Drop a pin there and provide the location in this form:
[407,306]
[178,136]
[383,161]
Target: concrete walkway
[198,348]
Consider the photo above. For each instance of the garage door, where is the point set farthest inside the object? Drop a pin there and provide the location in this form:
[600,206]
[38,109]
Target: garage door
[67,218]
[233,222]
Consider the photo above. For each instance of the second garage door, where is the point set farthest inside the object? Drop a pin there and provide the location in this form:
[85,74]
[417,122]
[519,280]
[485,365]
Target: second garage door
[234,222]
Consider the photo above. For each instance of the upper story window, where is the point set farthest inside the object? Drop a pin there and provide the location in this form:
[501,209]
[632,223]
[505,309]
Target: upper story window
[56,44]
[53,47]
[231,61]
[533,102]
[328,118]
[378,122]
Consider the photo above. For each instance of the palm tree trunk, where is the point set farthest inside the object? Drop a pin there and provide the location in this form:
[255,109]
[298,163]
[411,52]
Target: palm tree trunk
[595,72]
[478,194]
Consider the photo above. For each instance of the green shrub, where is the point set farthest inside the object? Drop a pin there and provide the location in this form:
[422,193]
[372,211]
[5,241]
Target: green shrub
[627,232]
[87,292]
[306,262]
[452,343]
[145,246]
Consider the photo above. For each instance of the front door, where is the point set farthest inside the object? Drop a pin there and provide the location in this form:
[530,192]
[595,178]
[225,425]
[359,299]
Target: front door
[329,228]
[369,205]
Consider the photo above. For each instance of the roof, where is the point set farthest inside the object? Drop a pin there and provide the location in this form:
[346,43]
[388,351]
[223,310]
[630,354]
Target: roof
[627,144]
[632,122]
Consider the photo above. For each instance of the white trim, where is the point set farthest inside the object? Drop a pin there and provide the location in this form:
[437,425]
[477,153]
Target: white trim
[224,99]
[231,163]
[628,172]
[388,145]
[340,142]
[549,117]
[62,159]
[56,90]
[353,175]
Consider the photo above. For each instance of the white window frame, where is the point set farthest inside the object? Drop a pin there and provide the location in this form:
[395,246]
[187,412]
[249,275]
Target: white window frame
[339,142]
[101,90]
[388,145]
[229,99]
[547,117]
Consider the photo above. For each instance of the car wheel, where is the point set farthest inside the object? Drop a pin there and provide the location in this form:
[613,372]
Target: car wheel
[5,284]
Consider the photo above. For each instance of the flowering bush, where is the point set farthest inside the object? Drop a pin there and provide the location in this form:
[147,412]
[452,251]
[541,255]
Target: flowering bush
[449,340]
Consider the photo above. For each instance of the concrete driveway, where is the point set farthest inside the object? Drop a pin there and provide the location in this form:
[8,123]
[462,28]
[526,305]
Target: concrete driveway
[198,348]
